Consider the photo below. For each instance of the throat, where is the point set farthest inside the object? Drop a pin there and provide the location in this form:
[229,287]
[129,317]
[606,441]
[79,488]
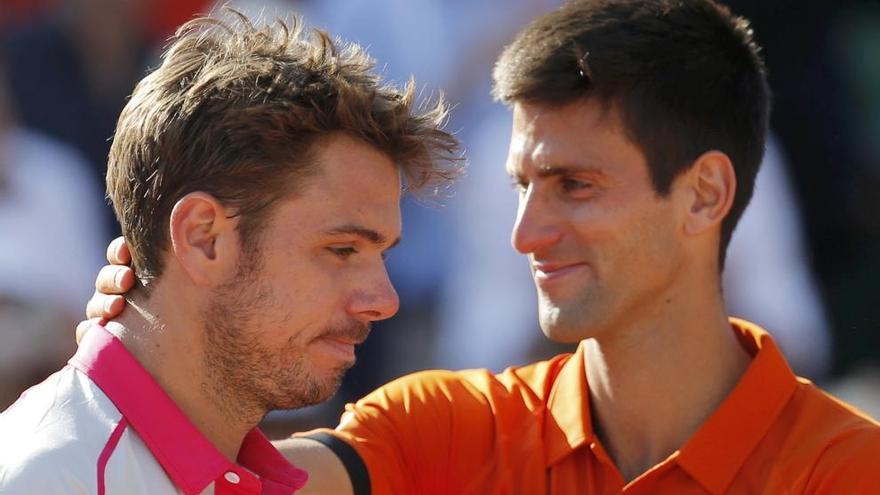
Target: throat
[175,360]
[648,400]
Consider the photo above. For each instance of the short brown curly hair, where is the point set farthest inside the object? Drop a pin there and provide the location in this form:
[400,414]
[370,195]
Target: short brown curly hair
[236,109]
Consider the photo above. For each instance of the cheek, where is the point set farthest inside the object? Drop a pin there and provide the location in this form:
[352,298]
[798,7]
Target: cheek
[308,302]
[627,239]
[653,245]
[599,229]
[298,278]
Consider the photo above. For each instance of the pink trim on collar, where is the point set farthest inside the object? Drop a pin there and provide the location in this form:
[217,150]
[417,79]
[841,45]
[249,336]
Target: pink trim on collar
[190,460]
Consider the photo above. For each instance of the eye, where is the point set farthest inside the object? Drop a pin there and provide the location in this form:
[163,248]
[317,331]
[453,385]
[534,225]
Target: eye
[342,252]
[518,185]
[574,185]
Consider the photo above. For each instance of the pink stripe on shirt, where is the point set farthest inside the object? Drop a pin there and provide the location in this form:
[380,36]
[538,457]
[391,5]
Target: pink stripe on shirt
[108,451]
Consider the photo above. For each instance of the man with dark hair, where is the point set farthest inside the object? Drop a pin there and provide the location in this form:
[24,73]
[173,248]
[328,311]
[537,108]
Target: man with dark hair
[638,128]
[257,178]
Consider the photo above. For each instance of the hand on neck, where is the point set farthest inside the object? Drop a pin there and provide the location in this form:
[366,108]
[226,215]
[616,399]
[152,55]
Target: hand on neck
[653,385]
[169,345]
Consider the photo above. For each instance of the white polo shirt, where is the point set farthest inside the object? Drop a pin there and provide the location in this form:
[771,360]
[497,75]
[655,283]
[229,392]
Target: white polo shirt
[103,425]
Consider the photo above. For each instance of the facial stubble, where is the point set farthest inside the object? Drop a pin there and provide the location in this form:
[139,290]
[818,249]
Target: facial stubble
[247,377]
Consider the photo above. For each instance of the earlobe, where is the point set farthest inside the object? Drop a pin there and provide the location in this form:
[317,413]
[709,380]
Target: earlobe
[199,233]
[713,183]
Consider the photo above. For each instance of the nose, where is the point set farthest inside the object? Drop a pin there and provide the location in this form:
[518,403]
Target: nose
[536,227]
[378,299]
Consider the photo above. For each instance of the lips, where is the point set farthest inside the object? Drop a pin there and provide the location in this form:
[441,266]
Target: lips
[546,272]
[343,341]
[339,342]
[338,350]
[352,334]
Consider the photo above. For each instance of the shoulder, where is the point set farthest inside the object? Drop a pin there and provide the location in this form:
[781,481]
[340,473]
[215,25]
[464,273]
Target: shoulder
[47,471]
[845,440]
[832,417]
[850,463]
[53,436]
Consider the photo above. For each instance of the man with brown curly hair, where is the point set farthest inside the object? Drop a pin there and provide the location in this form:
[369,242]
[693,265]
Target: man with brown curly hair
[257,176]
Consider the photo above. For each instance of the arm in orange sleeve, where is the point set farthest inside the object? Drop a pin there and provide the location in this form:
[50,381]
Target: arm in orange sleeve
[429,432]
[851,465]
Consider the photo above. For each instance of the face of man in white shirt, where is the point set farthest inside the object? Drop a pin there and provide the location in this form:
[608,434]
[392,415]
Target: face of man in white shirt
[281,332]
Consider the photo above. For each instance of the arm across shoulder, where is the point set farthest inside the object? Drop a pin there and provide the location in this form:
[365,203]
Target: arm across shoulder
[429,432]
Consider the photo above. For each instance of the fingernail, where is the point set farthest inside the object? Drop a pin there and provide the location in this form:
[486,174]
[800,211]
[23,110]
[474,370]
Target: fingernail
[117,279]
[108,304]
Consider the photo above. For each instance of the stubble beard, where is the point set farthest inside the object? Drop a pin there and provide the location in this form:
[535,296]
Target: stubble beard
[245,377]
[570,321]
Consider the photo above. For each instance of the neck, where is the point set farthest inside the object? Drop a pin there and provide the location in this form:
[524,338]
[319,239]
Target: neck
[172,352]
[653,384]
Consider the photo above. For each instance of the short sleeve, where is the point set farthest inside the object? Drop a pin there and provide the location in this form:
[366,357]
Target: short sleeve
[429,432]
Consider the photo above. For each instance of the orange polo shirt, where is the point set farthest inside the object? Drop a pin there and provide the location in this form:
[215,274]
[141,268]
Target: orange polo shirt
[528,431]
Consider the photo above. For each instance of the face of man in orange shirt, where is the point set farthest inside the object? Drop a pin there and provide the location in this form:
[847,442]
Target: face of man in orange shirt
[604,247]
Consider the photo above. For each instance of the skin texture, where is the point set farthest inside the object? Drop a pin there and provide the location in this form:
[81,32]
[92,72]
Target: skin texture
[633,274]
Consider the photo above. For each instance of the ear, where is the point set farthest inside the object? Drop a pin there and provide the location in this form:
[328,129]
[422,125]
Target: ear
[712,183]
[204,239]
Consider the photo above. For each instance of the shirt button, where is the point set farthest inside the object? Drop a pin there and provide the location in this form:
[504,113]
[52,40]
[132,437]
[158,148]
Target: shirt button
[232,477]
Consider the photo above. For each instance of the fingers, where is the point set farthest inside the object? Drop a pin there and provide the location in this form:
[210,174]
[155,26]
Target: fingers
[114,279]
[84,327]
[118,253]
[104,306]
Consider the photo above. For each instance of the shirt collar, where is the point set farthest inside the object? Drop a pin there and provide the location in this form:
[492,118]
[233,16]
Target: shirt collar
[567,424]
[190,460]
[718,449]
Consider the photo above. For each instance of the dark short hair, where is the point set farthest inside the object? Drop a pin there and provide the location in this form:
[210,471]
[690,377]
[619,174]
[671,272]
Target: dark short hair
[236,110]
[685,76]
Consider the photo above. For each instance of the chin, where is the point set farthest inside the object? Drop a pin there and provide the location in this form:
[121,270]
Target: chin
[329,387]
[563,336]
[308,391]
[565,327]
[558,332]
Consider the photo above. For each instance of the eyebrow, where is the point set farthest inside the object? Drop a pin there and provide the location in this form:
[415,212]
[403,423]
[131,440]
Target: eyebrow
[370,235]
[556,170]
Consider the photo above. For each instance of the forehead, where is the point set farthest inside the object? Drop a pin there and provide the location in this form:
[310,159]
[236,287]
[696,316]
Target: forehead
[355,183]
[346,162]
[580,133]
